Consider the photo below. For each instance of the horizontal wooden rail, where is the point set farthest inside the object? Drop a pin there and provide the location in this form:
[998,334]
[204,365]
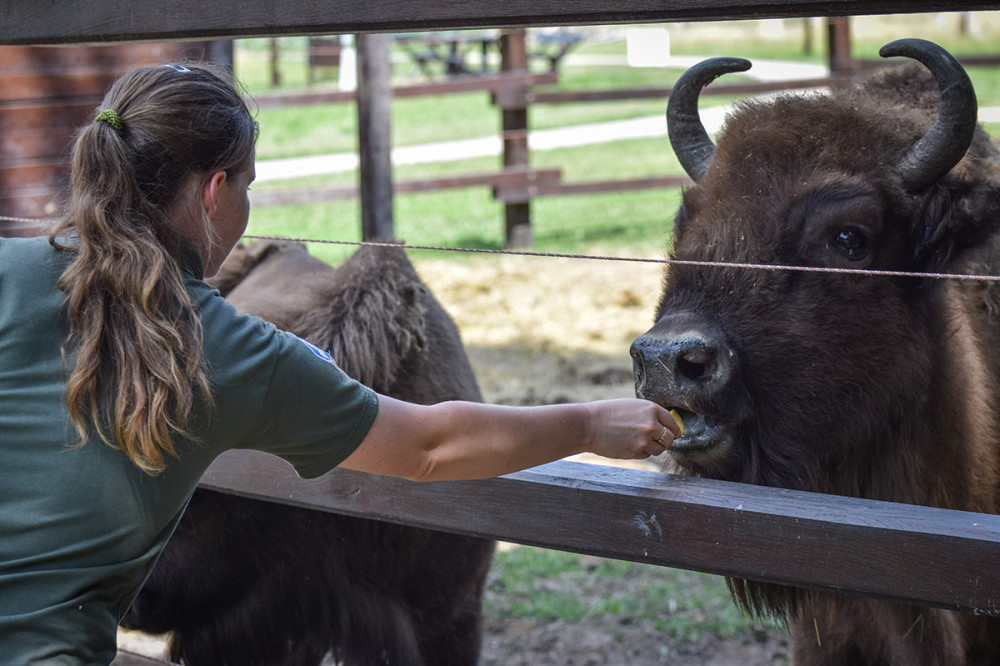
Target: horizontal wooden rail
[511,184]
[495,83]
[509,179]
[555,188]
[616,94]
[935,557]
[91,21]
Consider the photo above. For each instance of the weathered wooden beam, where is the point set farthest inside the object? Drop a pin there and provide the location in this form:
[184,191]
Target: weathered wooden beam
[495,83]
[558,188]
[505,178]
[936,557]
[91,21]
[375,138]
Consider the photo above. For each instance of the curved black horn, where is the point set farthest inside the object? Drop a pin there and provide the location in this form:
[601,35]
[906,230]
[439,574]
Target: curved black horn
[687,135]
[949,138]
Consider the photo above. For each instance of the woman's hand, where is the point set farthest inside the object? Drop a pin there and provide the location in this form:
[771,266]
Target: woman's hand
[630,428]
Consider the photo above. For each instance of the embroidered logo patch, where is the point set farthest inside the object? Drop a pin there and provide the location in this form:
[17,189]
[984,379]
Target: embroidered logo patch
[316,350]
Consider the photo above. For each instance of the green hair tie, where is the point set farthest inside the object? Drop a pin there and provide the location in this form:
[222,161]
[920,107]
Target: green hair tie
[112,118]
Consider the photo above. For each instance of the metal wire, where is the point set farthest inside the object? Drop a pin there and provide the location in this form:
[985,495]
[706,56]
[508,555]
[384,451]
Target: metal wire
[683,262]
[561,255]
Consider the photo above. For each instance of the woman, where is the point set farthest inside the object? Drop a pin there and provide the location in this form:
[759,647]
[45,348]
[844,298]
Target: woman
[123,374]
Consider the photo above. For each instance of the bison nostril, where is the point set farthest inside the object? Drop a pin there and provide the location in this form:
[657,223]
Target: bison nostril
[638,371]
[696,366]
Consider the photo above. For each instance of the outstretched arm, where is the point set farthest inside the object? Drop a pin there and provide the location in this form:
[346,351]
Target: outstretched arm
[467,440]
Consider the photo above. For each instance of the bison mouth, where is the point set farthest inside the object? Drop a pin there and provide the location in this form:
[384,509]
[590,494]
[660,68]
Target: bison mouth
[705,442]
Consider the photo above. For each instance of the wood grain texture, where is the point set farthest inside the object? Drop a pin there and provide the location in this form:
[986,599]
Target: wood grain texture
[92,21]
[936,557]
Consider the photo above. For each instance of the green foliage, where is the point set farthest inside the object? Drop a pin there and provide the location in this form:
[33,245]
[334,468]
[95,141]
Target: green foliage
[538,584]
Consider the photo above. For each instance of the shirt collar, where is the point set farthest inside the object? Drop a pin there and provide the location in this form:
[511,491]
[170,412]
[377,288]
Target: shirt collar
[190,262]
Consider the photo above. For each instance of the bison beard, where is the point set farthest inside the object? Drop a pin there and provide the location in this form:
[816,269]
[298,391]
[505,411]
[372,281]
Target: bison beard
[879,387]
[246,582]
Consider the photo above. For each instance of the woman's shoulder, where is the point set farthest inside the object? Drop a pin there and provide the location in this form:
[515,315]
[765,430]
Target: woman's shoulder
[25,248]
[31,257]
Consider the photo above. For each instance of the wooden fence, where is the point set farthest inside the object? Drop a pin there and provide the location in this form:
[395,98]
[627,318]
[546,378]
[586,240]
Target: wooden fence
[513,91]
[930,556]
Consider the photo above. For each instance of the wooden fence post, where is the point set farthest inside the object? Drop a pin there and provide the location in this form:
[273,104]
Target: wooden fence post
[274,55]
[517,214]
[839,45]
[374,97]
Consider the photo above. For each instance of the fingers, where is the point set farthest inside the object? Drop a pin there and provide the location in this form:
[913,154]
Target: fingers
[671,426]
[632,428]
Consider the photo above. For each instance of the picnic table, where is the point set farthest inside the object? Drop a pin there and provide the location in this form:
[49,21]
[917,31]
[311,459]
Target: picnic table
[553,45]
[452,50]
[465,52]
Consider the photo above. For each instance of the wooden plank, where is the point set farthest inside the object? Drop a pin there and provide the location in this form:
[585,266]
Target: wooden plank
[549,188]
[93,21]
[306,195]
[615,94]
[27,203]
[929,556]
[511,185]
[29,173]
[496,83]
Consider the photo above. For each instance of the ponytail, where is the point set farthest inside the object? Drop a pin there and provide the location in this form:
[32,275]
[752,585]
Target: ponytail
[135,337]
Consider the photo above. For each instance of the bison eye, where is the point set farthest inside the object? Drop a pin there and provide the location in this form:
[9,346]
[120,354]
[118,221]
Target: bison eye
[852,244]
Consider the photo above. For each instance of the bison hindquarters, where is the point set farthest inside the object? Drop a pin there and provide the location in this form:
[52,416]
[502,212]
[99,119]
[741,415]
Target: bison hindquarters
[246,582]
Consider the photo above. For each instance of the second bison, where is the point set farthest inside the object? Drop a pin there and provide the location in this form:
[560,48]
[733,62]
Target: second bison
[245,582]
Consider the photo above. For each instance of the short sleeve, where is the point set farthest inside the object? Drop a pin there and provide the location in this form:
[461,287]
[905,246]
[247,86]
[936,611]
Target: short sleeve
[313,415]
[275,392]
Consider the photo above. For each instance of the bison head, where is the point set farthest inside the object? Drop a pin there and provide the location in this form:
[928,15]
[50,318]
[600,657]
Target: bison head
[779,374]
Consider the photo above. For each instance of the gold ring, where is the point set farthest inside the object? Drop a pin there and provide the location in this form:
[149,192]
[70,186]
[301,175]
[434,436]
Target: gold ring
[663,436]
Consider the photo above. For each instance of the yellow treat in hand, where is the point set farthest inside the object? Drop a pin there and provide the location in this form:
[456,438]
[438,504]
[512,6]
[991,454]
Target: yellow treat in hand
[677,417]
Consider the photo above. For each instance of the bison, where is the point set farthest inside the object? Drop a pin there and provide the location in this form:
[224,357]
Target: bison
[249,582]
[880,386]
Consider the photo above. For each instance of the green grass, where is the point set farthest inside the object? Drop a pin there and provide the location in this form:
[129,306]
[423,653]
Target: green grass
[545,585]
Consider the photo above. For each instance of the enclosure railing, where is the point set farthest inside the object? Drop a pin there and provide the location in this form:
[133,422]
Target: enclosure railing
[918,554]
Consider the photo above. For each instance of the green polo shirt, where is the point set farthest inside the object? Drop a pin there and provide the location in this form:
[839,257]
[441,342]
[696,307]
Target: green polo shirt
[80,528]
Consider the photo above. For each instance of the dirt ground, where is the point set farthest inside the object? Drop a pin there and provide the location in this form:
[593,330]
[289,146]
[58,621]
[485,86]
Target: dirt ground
[543,330]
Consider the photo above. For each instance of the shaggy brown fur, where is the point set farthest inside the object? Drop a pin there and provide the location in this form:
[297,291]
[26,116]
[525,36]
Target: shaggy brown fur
[877,387]
[248,582]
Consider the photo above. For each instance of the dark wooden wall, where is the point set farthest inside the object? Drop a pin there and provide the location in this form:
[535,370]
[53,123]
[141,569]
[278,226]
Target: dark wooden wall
[45,95]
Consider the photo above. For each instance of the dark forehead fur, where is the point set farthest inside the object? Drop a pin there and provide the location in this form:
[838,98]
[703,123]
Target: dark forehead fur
[861,129]
[857,131]
[775,150]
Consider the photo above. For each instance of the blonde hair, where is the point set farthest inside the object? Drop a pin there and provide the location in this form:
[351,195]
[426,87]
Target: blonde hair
[135,338]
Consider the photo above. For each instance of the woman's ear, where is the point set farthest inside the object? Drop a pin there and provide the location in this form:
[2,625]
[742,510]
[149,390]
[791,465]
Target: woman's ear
[210,192]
